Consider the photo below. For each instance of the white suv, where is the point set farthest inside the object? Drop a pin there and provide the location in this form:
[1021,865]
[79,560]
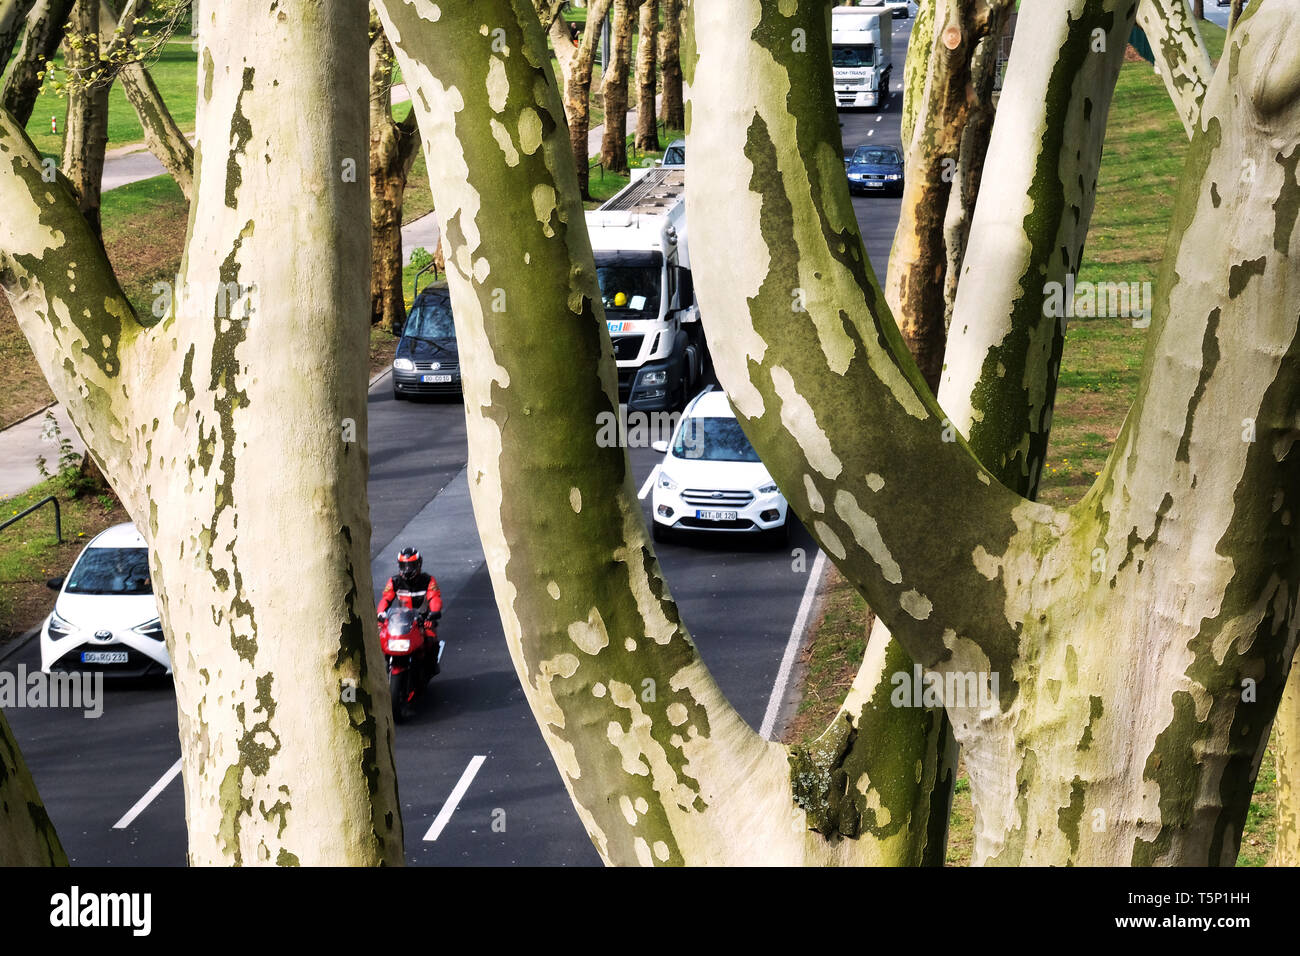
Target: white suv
[711,479]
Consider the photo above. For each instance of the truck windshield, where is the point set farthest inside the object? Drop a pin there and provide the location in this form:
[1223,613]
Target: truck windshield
[430,318]
[854,56]
[634,288]
[713,439]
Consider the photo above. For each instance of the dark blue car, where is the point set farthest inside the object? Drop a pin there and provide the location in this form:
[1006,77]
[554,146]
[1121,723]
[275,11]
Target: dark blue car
[876,169]
[427,360]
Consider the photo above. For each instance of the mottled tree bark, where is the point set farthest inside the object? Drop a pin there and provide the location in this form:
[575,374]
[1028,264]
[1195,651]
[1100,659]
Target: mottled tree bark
[286,745]
[647,79]
[1287,726]
[46,25]
[672,107]
[1123,628]
[577,93]
[1180,52]
[393,147]
[85,136]
[27,837]
[659,766]
[1027,235]
[916,286]
[13,15]
[614,86]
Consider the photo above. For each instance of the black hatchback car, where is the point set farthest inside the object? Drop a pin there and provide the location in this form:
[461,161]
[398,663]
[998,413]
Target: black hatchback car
[427,360]
[876,169]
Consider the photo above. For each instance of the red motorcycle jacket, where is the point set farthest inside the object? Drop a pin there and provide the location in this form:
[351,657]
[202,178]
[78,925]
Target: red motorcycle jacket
[419,593]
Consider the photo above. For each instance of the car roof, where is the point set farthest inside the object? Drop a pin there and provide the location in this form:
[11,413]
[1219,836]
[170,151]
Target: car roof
[711,404]
[122,535]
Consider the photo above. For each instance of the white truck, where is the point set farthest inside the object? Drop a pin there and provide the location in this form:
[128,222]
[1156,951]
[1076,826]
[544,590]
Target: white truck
[862,55]
[644,269]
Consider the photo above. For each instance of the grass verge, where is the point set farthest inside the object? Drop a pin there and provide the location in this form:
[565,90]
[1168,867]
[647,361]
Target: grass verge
[30,554]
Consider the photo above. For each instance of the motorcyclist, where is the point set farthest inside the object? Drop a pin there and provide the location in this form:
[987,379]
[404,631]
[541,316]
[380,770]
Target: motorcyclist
[412,587]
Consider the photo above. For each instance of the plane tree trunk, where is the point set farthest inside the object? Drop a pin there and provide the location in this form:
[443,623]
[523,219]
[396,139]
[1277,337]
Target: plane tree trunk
[393,148]
[577,93]
[941,114]
[286,744]
[1141,638]
[13,14]
[85,137]
[614,86]
[647,79]
[660,767]
[45,27]
[1180,51]
[672,108]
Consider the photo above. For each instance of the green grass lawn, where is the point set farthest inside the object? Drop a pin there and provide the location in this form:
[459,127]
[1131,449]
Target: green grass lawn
[176,73]
[1146,147]
[30,554]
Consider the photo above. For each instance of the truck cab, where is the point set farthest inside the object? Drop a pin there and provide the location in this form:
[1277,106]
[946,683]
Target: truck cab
[643,267]
[862,55]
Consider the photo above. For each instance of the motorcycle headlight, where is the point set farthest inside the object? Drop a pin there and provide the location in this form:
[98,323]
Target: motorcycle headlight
[59,628]
[768,488]
[666,482]
[399,644]
[404,365]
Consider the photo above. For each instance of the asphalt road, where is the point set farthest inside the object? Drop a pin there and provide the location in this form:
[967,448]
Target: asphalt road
[476,782]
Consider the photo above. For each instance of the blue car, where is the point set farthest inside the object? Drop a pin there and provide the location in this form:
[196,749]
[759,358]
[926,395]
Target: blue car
[876,169]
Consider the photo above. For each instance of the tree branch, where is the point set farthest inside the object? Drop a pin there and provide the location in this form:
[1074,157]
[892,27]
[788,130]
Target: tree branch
[1028,231]
[46,25]
[1180,52]
[799,318]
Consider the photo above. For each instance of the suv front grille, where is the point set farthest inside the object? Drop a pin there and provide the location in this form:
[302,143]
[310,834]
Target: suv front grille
[711,498]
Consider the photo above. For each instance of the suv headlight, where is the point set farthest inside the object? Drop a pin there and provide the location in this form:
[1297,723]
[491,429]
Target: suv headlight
[59,628]
[404,365]
[768,488]
[666,482]
[654,378]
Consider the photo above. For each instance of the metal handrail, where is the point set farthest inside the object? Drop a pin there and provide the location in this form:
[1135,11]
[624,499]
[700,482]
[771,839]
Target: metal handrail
[58,517]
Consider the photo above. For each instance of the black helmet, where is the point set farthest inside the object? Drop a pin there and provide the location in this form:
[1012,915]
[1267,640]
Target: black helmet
[409,563]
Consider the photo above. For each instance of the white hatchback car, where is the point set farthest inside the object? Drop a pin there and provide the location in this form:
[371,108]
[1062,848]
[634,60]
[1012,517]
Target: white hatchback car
[711,479]
[105,617]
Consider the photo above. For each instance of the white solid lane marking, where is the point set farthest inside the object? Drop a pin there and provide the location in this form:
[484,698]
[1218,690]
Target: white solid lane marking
[649,483]
[142,804]
[453,801]
[792,648]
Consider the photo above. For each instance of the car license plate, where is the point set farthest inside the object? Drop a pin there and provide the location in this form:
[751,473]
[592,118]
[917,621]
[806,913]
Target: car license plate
[716,515]
[435,379]
[103,657]
[874,183]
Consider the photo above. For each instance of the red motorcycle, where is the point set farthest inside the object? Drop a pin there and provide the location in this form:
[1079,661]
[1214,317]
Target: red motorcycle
[411,647]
